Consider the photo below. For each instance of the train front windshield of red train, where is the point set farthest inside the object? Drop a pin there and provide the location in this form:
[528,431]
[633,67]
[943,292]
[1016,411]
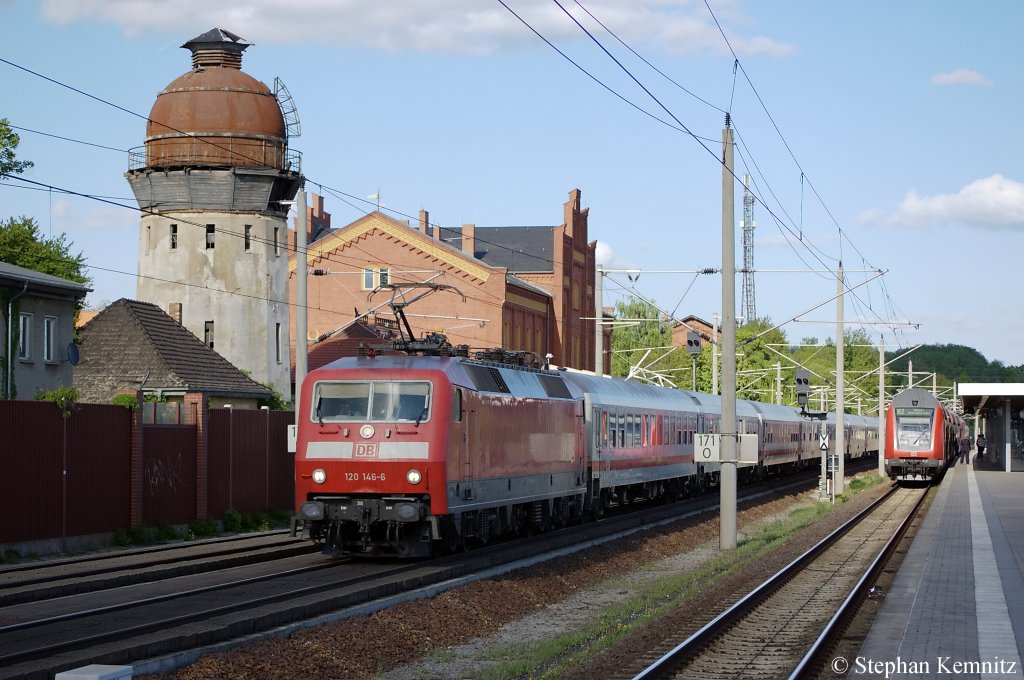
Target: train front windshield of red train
[914,428]
[377,400]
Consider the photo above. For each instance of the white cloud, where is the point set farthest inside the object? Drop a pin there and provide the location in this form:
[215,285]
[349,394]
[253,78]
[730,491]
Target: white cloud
[459,26]
[961,76]
[993,202]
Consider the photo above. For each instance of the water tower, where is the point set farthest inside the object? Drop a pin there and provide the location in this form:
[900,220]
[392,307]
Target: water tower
[212,182]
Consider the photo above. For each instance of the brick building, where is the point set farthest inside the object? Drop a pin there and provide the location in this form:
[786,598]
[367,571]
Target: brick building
[518,288]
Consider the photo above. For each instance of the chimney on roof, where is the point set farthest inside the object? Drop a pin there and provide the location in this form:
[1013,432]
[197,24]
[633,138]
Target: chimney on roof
[437,232]
[469,239]
[424,222]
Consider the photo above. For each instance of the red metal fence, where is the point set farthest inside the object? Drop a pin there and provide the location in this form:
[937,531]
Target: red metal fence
[63,476]
[72,476]
[250,467]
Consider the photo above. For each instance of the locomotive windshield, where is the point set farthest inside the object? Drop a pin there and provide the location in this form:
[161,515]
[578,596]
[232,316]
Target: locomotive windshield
[914,428]
[378,400]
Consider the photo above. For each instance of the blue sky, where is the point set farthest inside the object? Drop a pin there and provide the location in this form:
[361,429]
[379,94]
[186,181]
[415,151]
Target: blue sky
[899,117]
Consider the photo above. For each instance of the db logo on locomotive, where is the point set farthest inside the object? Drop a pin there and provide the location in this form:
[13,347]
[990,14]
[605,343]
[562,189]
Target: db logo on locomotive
[365,450]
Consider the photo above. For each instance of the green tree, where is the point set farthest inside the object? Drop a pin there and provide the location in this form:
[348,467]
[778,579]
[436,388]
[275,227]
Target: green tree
[22,244]
[643,338]
[756,375]
[9,163]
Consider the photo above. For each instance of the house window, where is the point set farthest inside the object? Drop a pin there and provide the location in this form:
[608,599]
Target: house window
[174,237]
[210,233]
[50,338]
[25,337]
[208,334]
[277,342]
[277,247]
[372,278]
[248,237]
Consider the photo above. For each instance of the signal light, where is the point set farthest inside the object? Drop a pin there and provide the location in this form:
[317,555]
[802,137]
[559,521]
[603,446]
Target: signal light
[803,386]
[692,342]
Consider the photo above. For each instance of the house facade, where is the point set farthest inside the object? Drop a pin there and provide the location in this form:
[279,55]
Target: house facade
[528,289]
[37,331]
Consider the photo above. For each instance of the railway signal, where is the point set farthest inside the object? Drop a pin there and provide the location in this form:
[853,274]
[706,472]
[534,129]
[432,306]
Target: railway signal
[803,386]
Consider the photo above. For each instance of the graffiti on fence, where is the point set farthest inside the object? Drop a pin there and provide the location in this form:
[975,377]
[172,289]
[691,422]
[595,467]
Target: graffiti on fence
[163,473]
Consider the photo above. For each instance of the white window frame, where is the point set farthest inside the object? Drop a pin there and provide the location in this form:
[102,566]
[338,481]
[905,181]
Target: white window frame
[372,277]
[50,329]
[25,336]
[277,342]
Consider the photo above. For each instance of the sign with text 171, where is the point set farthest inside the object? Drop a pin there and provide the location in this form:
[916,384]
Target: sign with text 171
[707,448]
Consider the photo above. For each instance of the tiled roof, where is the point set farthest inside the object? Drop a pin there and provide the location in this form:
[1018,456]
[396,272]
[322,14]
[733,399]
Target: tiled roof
[136,345]
[519,249]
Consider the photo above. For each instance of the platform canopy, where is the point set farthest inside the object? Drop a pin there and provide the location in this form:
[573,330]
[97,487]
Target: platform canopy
[991,396]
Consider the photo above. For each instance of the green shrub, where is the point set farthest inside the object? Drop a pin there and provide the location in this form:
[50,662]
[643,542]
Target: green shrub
[165,532]
[201,528]
[121,538]
[232,521]
[63,397]
[126,400]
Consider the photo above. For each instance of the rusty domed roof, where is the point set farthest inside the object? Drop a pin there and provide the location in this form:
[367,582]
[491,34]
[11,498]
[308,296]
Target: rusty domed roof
[216,114]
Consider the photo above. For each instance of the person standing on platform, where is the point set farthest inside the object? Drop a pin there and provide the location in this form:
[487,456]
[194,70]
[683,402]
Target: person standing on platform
[965,450]
[981,446]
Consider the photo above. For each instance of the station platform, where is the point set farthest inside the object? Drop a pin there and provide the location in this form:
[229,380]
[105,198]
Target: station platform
[956,606]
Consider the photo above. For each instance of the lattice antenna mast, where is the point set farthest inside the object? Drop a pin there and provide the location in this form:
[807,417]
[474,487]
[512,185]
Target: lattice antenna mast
[748,306]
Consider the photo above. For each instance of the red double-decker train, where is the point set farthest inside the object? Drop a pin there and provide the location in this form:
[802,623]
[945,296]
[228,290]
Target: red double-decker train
[922,437]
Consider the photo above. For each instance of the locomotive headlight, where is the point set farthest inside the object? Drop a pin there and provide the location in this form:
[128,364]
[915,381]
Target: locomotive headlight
[414,476]
[319,475]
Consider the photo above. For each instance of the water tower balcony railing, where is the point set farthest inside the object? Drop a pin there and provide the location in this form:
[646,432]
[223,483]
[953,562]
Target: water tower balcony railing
[219,153]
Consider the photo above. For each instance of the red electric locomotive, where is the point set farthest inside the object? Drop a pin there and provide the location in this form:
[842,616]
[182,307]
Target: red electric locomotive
[922,437]
[403,455]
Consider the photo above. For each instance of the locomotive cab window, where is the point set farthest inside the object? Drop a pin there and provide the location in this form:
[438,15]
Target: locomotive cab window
[378,401]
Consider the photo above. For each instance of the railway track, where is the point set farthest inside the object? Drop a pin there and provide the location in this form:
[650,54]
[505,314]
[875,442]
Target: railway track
[783,627]
[143,604]
[37,581]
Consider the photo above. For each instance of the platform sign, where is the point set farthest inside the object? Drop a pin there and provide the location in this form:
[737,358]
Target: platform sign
[707,448]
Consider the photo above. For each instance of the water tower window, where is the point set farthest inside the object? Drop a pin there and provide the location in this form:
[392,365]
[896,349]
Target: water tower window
[210,233]
[277,248]
[248,237]
[174,236]
[208,334]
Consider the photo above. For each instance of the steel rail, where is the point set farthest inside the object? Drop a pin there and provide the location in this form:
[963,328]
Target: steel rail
[747,603]
[856,595]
